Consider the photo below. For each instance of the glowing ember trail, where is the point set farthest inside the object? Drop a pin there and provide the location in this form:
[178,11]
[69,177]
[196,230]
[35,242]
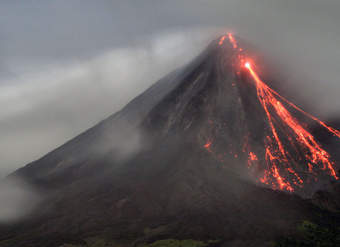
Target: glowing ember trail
[251,159]
[281,170]
[232,40]
[252,156]
[208,145]
[314,152]
[330,129]
[222,40]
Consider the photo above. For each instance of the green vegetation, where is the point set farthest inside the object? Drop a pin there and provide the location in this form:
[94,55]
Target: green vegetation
[312,235]
[103,242]
[97,242]
[180,243]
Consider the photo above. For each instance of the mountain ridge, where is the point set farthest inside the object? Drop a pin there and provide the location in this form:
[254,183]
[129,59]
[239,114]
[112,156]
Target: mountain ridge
[186,178]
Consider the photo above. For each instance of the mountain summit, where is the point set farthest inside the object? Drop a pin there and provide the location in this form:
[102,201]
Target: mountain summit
[210,151]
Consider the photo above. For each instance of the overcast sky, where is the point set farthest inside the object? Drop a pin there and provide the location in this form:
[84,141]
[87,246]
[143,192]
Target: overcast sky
[67,64]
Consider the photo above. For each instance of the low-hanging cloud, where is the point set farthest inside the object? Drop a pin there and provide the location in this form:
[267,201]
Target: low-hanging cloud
[17,200]
[52,103]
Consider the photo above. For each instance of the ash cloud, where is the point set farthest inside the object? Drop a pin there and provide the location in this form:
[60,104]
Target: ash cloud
[65,65]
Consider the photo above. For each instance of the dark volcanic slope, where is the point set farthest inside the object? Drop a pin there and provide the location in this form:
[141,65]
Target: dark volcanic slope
[176,183]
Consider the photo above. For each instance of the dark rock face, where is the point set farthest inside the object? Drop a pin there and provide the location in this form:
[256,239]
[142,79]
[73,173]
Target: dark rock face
[168,181]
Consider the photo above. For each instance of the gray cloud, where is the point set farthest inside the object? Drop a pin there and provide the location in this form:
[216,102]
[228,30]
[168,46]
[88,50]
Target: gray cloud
[65,65]
[16,200]
[51,103]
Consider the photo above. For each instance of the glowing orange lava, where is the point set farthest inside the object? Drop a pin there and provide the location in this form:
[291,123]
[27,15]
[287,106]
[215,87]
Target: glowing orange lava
[252,156]
[281,170]
[251,159]
[232,40]
[315,154]
[208,145]
[222,40]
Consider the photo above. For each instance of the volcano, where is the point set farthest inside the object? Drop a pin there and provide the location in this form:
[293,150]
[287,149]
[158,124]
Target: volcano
[210,152]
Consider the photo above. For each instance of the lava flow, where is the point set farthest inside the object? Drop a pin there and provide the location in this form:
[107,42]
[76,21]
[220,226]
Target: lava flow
[281,170]
[315,154]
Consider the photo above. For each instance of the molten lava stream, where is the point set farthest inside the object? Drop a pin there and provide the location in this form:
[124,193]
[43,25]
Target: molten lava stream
[283,156]
[315,154]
